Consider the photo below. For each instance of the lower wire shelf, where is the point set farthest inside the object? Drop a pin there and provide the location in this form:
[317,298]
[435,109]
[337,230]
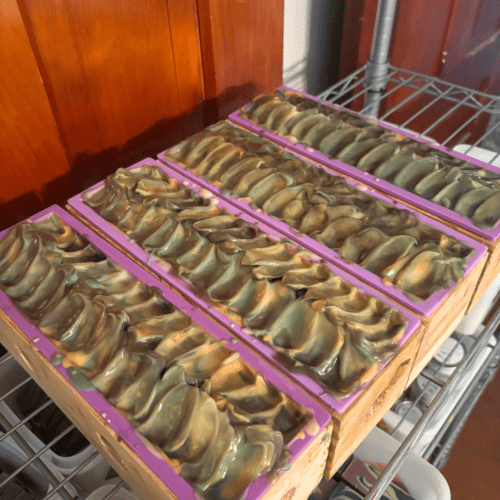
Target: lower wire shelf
[30,469]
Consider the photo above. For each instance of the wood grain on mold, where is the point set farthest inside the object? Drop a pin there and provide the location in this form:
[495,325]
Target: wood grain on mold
[242,46]
[310,463]
[31,151]
[352,426]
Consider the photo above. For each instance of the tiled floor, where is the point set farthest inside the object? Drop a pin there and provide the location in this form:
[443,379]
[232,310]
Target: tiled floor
[473,469]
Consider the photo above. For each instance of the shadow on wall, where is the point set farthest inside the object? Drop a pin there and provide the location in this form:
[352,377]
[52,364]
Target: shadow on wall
[320,67]
[87,170]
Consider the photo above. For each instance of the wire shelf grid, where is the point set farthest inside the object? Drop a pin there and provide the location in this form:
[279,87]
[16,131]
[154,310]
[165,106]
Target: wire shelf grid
[356,86]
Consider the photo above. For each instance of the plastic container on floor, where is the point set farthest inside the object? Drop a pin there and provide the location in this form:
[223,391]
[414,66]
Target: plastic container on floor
[422,480]
[121,494]
[393,421]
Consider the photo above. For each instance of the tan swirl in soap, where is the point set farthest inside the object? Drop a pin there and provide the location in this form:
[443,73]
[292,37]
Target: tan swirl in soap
[383,239]
[414,166]
[318,322]
[185,391]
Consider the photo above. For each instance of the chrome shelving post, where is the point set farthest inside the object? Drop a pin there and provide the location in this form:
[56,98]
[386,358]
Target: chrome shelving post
[435,407]
[361,84]
[377,68]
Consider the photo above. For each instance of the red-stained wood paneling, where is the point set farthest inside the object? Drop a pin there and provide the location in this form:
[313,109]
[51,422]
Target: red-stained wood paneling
[420,29]
[456,40]
[183,21]
[31,151]
[109,70]
[242,50]
[351,37]
[88,87]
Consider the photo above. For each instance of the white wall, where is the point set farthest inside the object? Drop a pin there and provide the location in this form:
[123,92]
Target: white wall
[312,31]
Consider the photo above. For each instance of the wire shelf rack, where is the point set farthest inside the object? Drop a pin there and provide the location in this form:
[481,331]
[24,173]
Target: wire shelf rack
[357,87]
[370,96]
[61,486]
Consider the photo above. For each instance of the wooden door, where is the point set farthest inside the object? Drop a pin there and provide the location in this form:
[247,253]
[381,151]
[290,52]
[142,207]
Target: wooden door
[87,87]
[31,149]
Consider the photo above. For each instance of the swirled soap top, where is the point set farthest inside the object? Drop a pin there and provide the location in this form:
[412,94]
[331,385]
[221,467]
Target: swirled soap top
[320,323]
[362,143]
[390,242]
[180,387]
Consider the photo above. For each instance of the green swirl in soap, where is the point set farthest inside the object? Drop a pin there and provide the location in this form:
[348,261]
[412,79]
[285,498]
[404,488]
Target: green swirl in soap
[383,239]
[362,143]
[319,323]
[185,391]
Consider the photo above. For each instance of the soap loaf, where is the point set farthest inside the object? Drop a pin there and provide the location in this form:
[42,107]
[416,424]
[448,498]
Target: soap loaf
[148,358]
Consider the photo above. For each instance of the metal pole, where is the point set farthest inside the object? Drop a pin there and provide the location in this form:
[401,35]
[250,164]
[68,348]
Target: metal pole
[439,402]
[377,67]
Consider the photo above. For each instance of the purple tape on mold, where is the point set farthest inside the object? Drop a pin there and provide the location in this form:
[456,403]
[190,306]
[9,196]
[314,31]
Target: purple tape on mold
[163,270]
[124,429]
[425,308]
[367,178]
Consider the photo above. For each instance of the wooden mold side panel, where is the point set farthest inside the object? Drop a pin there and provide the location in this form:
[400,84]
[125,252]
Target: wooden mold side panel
[444,321]
[128,465]
[305,473]
[491,271]
[351,427]
[242,50]
[31,149]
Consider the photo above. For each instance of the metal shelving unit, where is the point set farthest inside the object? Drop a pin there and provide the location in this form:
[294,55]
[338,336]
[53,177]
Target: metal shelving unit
[359,86]
[374,84]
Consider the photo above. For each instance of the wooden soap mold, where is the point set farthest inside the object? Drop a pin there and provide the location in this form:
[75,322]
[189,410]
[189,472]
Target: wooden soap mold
[148,471]
[440,314]
[424,309]
[371,401]
[488,237]
[491,267]
[366,177]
